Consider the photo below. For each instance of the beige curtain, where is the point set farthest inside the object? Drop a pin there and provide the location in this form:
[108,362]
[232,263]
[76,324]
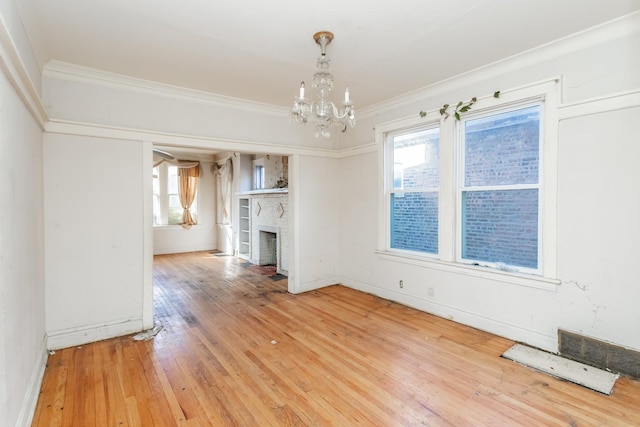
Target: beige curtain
[187,189]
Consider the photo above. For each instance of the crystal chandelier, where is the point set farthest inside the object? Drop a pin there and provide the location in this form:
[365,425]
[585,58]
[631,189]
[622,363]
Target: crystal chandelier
[322,111]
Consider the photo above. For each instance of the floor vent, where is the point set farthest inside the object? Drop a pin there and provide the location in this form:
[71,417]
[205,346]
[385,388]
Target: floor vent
[559,367]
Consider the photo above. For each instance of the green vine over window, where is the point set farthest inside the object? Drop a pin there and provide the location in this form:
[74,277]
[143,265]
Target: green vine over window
[460,108]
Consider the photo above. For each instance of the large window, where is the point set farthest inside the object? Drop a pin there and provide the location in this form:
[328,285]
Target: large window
[167,209]
[470,194]
[499,187]
[414,189]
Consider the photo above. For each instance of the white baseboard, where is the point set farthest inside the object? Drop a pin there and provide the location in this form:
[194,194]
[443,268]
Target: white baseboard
[315,284]
[85,334]
[475,320]
[28,408]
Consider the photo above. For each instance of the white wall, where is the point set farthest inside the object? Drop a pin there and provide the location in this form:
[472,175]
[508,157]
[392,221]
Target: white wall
[132,104]
[94,228]
[22,292]
[598,208]
[200,237]
[314,205]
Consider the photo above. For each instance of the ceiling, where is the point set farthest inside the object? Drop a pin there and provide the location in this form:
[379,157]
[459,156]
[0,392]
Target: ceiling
[261,50]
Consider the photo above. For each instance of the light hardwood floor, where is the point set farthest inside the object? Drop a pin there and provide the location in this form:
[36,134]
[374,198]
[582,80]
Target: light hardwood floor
[238,350]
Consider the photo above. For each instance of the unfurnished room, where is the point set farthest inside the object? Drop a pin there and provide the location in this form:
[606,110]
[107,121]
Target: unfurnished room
[338,214]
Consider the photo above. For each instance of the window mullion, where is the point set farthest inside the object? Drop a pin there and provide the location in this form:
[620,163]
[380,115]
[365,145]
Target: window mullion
[164,196]
[447,205]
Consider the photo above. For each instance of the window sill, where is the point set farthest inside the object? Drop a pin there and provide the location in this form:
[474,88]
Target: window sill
[527,280]
[171,226]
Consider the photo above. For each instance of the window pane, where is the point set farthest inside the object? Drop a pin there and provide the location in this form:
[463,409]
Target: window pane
[175,210]
[503,149]
[416,160]
[501,226]
[414,222]
[172,180]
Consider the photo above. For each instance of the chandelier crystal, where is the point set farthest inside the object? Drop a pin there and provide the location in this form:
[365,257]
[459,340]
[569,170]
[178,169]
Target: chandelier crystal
[324,112]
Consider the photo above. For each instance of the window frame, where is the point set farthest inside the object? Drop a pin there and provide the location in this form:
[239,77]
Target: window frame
[547,93]
[390,185]
[461,187]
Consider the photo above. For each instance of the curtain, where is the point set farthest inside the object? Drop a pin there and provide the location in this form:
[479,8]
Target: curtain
[224,178]
[187,189]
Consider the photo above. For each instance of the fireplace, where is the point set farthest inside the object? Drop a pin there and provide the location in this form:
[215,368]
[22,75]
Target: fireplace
[268,245]
[264,234]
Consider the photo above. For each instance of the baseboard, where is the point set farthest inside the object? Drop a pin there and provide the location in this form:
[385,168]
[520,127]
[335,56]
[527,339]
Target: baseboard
[315,284]
[599,353]
[28,408]
[474,320]
[92,333]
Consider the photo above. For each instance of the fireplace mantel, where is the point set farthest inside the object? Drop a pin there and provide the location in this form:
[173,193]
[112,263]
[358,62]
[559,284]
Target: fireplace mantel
[263,192]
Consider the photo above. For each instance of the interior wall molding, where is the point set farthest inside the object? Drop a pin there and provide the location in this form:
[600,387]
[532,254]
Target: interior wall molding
[75,73]
[161,139]
[70,337]
[604,104]
[608,31]
[16,72]
[358,151]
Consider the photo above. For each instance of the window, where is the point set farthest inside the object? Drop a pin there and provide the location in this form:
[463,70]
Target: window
[413,194]
[499,188]
[258,174]
[469,195]
[167,209]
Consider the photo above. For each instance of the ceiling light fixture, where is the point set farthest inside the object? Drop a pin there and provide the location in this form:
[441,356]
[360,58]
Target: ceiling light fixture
[322,111]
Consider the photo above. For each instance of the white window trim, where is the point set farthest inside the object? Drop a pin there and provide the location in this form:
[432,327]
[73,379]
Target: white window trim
[549,92]
[389,186]
[460,187]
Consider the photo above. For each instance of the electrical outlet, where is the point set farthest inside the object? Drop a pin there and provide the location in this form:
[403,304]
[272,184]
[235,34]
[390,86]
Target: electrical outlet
[401,284]
[430,293]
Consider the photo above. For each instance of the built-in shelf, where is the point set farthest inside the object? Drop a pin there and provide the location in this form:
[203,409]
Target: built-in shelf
[244,238]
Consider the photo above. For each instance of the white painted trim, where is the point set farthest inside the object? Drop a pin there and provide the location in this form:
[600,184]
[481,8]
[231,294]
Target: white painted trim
[621,27]
[65,338]
[475,320]
[604,104]
[357,151]
[147,235]
[28,408]
[16,72]
[293,283]
[163,139]
[75,73]
[317,284]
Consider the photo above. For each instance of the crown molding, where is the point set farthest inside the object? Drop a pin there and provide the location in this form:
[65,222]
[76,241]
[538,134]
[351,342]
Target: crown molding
[621,27]
[75,73]
[16,72]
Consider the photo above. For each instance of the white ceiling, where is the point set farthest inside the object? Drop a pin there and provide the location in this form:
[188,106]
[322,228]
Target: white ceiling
[261,50]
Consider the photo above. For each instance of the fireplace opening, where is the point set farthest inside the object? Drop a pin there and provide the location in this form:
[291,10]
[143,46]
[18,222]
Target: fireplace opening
[268,248]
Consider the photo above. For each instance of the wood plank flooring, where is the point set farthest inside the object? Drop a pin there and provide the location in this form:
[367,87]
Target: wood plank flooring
[238,350]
